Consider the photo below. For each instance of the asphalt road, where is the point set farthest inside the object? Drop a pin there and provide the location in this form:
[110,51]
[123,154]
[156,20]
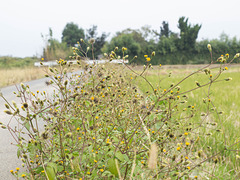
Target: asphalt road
[8,151]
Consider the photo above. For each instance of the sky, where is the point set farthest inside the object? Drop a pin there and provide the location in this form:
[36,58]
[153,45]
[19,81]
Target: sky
[23,21]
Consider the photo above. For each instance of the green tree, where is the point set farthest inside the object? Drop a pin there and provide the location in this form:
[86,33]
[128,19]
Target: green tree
[72,34]
[188,34]
[123,40]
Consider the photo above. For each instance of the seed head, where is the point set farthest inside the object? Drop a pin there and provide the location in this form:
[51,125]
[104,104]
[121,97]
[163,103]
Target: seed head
[153,154]
[92,41]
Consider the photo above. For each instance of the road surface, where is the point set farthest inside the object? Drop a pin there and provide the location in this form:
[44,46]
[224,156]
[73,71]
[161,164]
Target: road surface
[8,151]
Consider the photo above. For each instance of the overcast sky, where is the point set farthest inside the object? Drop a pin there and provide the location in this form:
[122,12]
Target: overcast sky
[23,21]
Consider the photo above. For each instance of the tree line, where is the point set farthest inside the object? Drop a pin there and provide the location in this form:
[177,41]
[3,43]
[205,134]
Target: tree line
[171,47]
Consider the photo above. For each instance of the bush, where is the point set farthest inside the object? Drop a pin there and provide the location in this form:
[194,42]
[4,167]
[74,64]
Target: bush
[98,125]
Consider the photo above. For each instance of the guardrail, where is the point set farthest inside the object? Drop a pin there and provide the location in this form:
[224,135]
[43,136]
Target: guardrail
[54,63]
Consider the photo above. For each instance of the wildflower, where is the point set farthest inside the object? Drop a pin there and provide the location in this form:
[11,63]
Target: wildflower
[92,98]
[160,65]
[79,138]
[226,68]
[88,172]
[96,117]
[153,132]
[145,56]
[23,175]
[188,167]
[153,53]
[78,129]
[178,148]
[227,55]
[148,59]
[101,170]
[164,150]
[93,138]
[11,171]
[17,168]
[185,133]
[187,143]
[95,161]
[186,157]
[124,49]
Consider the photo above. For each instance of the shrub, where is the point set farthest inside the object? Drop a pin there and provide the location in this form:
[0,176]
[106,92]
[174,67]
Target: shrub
[98,125]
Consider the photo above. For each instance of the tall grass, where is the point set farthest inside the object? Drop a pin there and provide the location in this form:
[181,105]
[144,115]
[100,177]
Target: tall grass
[17,75]
[224,95]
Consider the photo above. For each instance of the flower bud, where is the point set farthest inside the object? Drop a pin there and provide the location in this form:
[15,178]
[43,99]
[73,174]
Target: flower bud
[153,53]
[237,55]
[209,47]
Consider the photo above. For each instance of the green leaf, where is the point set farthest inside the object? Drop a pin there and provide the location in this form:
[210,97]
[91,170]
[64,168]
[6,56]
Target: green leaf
[50,171]
[120,156]
[27,125]
[18,152]
[112,167]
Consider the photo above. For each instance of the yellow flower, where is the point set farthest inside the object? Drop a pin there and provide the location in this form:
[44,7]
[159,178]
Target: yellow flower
[185,133]
[101,170]
[92,98]
[95,161]
[187,143]
[145,56]
[178,148]
[186,157]
[17,168]
[42,59]
[96,117]
[23,175]
[11,171]
[148,59]
[94,138]
[226,68]
[188,167]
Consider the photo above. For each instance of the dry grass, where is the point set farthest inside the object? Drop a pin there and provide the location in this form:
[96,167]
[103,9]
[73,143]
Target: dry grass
[17,75]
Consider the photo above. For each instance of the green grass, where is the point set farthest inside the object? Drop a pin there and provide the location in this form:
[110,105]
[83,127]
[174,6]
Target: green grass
[224,96]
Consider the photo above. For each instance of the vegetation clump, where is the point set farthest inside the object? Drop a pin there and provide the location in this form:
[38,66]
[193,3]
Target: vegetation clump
[98,124]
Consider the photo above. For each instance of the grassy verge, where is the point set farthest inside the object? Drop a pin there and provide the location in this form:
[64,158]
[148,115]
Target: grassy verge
[224,95]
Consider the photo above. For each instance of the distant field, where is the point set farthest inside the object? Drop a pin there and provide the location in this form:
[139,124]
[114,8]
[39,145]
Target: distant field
[225,96]
[18,75]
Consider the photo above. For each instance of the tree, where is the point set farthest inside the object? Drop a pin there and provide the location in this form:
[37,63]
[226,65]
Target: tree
[164,30]
[72,34]
[188,34]
[123,40]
